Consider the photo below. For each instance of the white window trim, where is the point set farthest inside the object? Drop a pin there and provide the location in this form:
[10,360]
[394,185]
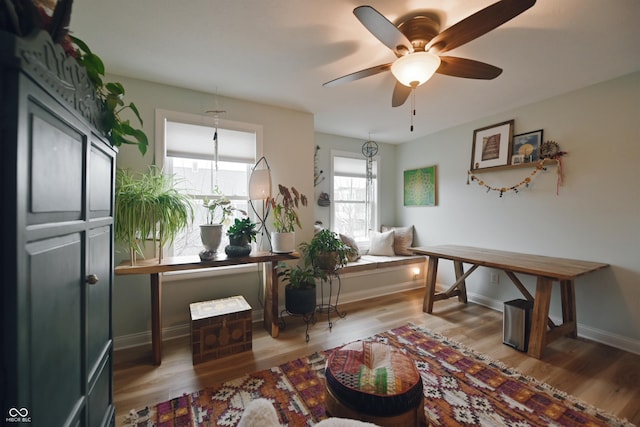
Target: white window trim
[363,244]
[161,117]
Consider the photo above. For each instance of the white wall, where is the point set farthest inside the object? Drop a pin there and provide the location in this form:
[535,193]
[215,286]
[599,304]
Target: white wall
[594,216]
[287,135]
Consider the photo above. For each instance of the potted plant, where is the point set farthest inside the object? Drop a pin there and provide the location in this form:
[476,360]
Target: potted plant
[28,18]
[241,233]
[285,218]
[300,287]
[218,209]
[326,251]
[147,205]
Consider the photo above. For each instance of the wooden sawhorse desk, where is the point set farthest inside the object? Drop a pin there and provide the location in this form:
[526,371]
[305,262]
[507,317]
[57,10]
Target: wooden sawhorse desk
[153,268]
[547,269]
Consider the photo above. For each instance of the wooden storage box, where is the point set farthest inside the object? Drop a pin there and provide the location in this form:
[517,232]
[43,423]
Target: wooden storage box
[219,328]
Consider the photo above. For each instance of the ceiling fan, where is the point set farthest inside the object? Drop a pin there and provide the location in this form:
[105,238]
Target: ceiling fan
[418,43]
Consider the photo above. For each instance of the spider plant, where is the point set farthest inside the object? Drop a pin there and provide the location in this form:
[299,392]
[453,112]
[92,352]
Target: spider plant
[148,205]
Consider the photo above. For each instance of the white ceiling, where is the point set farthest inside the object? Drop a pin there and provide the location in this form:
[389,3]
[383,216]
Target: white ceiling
[279,52]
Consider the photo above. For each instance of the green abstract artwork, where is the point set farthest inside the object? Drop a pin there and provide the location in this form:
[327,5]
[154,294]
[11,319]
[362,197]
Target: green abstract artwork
[420,187]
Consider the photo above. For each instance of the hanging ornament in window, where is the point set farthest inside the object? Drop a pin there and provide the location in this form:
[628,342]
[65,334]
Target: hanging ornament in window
[369,149]
[216,121]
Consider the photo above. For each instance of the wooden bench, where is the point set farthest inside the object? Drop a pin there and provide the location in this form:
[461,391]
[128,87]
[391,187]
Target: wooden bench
[373,262]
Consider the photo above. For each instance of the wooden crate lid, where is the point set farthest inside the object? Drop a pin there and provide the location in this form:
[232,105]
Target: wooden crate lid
[218,307]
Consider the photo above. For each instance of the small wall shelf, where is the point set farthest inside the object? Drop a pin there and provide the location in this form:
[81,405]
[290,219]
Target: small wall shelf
[519,166]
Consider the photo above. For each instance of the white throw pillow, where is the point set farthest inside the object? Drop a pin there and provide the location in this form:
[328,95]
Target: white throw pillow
[354,254]
[381,243]
[403,239]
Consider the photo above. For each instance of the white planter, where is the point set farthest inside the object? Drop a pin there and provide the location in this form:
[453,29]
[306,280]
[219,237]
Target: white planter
[211,236]
[283,243]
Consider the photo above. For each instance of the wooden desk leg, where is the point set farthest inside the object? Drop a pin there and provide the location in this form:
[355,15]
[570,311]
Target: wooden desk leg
[568,297]
[270,317]
[538,336]
[430,289]
[462,286]
[156,318]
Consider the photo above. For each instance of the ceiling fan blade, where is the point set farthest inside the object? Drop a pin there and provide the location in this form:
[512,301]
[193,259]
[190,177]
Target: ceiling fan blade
[400,94]
[383,29]
[358,75]
[478,24]
[467,68]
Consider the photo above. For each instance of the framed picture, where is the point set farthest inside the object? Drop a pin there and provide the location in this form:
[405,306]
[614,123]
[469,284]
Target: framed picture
[527,145]
[420,187]
[492,146]
[517,159]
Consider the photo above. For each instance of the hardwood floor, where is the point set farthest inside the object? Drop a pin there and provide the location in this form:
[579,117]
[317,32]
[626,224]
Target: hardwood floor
[597,374]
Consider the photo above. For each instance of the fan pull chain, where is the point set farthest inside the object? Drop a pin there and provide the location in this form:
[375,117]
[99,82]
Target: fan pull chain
[413,106]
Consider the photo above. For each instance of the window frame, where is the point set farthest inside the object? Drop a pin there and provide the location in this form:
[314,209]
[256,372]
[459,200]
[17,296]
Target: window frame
[362,243]
[161,118]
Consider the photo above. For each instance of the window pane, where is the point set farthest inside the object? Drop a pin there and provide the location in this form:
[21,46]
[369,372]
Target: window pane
[199,179]
[351,214]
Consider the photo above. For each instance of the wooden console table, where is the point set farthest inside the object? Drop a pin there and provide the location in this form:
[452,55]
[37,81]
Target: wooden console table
[153,268]
[546,269]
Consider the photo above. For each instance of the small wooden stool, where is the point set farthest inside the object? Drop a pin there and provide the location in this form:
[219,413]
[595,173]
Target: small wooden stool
[376,383]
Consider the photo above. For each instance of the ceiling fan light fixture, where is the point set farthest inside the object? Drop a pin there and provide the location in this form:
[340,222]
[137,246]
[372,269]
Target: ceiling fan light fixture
[416,68]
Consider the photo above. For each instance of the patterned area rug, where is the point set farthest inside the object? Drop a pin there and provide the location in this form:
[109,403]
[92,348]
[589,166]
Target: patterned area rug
[461,387]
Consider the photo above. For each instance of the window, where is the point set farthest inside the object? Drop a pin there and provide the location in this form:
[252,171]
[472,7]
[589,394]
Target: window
[186,150]
[354,204]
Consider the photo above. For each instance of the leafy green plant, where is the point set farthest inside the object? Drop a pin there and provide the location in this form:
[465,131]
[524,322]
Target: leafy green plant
[284,205]
[219,208]
[23,17]
[119,130]
[298,276]
[243,229]
[325,245]
[147,205]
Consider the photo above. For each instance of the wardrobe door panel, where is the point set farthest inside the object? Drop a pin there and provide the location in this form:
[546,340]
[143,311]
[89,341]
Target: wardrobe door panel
[56,169]
[55,353]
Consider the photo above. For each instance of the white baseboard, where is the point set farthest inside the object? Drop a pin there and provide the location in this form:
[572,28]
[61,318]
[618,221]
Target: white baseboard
[584,331]
[594,334]
[178,331]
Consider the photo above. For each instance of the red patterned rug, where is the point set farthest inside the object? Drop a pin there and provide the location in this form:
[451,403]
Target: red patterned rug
[461,387]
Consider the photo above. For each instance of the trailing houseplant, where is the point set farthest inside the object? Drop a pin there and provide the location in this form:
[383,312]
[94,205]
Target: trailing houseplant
[119,130]
[148,205]
[285,217]
[326,252]
[24,17]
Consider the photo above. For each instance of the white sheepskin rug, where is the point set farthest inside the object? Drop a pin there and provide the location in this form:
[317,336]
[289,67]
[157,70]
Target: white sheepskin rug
[261,413]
